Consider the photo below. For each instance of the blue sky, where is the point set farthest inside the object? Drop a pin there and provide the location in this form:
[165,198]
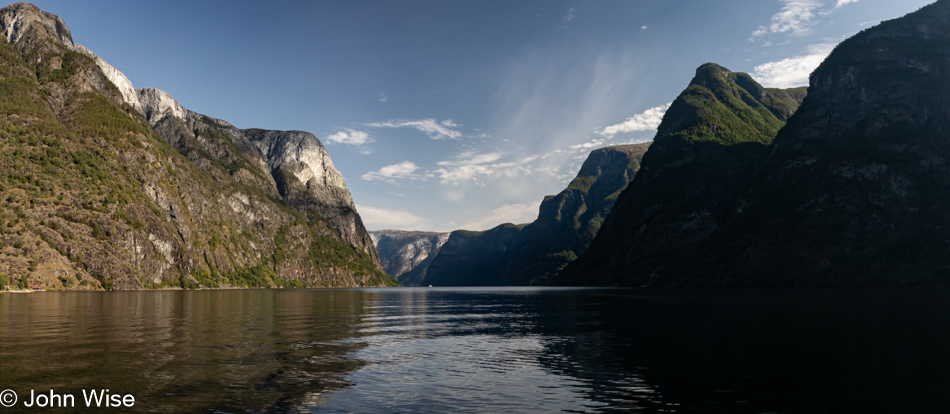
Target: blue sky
[457,114]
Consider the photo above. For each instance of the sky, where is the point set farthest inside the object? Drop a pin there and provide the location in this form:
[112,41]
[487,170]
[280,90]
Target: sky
[448,114]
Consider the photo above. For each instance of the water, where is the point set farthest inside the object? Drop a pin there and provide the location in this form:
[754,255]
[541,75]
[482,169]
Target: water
[483,350]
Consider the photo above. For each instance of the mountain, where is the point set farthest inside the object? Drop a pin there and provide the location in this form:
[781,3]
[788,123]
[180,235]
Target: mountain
[107,186]
[709,144]
[406,254]
[855,191]
[531,254]
[475,258]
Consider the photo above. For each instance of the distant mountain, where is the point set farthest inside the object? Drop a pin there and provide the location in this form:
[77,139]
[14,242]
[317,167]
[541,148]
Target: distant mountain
[855,191]
[406,254]
[531,254]
[107,186]
[706,149]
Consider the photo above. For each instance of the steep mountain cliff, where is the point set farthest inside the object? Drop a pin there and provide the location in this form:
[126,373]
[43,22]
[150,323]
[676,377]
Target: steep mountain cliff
[854,193]
[531,254]
[406,254]
[706,149]
[107,186]
[296,163]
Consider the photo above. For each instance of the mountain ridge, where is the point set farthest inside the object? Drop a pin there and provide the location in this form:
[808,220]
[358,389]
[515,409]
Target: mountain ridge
[710,141]
[853,192]
[117,188]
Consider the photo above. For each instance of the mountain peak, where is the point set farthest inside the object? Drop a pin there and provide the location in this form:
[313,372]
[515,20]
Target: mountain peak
[710,141]
[710,68]
[27,27]
[18,22]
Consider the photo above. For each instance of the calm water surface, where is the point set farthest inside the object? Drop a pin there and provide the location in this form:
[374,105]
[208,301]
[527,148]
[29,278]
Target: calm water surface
[483,350]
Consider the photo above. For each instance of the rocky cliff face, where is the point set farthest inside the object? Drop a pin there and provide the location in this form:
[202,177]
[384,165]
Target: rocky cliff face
[531,254]
[299,165]
[108,186]
[711,140]
[855,191]
[406,254]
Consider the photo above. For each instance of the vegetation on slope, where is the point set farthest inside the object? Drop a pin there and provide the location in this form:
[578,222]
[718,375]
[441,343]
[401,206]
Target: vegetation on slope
[93,198]
[710,142]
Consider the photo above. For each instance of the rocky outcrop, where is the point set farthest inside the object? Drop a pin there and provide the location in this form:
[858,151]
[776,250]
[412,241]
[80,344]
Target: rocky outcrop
[121,188]
[853,192]
[531,254]
[319,185]
[406,254]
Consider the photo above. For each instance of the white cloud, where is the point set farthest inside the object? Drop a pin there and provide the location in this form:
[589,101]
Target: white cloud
[796,17]
[647,120]
[432,128]
[471,158]
[838,5]
[381,218]
[470,166]
[594,143]
[508,213]
[644,27]
[403,170]
[350,137]
[570,15]
[794,71]
[383,97]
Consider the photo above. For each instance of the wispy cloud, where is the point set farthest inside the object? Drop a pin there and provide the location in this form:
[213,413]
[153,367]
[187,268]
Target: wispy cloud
[470,166]
[435,130]
[570,15]
[391,173]
[471,158]
[797,17]
[381,218]
[647,120]
[507,213]
[350,137]
[383,97]
[838,5]
[794,71]
[589,145]
[644,27]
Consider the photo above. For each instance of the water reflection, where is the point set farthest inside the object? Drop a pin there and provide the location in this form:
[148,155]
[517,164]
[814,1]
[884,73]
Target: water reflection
[485,350]
[263,351]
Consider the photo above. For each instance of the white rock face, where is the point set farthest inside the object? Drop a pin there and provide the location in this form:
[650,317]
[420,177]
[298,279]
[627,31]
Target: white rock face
[115,76]
[306,157]
[403,253]
[16,18]
[156,104]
